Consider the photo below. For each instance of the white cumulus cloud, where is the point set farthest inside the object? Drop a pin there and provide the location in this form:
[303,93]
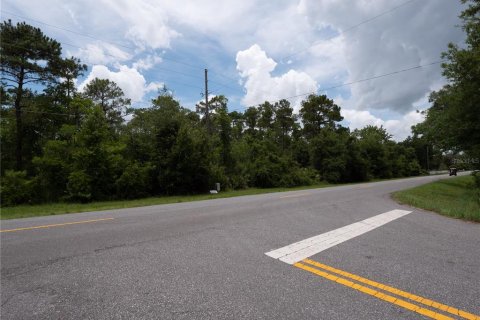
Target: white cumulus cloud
[147,21]
[102,53]
[256,67]
[398,128]
[131,81]
[147,63]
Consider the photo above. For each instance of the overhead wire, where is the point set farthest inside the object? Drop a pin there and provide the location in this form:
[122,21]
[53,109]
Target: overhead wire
[52,113]
[294,96]
[107,41]
[347,83]
[91,37]
[123,58]
[116,56]
[114,43]
[349,28]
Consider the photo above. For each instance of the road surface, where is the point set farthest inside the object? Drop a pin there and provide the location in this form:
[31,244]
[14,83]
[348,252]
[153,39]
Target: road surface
[213,260]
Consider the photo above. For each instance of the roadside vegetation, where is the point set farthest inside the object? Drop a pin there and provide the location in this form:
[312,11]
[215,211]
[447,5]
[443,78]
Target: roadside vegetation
[457,198]
[25,211]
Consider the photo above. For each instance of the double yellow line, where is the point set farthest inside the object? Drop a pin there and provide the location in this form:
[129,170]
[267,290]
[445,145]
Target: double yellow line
[320,270]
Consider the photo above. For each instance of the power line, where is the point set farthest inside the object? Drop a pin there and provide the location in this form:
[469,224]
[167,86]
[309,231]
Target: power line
[154,68]
[65,29]
[93,37]
[298,95]
[350,83]
[120,45]
[350,28]
[107,41]
[122,58]
[54,113]
[224,76]
[222,85]
[384,75]
[175,71]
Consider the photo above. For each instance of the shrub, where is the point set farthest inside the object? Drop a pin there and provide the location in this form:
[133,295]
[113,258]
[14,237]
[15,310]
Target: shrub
[135,181]
[79,186]
[15,188]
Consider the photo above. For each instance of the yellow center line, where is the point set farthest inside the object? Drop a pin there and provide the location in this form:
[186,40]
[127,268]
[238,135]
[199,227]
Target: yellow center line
[398,292]
[55,225]
[374,293]
[295,195]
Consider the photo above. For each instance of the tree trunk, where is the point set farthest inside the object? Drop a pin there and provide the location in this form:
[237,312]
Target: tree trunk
[18,118]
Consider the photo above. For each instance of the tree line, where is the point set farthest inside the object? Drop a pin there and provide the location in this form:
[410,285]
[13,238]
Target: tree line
[59,144]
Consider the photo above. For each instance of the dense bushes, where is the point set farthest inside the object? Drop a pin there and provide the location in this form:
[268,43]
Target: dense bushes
[16,188]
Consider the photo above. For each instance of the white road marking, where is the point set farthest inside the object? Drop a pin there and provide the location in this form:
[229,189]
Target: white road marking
[298,251]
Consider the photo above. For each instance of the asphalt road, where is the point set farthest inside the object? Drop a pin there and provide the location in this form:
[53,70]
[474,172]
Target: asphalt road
[206,260]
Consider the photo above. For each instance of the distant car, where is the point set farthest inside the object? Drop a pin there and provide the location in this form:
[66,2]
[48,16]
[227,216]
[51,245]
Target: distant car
[452,171]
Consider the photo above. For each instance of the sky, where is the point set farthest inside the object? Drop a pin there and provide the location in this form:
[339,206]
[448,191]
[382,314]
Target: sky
[261,50]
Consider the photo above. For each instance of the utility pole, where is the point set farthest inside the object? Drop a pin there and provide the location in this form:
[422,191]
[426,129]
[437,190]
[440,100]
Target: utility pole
[206,101]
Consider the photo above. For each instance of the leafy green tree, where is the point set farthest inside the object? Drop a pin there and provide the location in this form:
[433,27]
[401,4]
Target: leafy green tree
[252,115]
[284,122]
[135,181]
[453,121]
[97,160]
[214,104]
[15,188]
[7,138]
[373,142]
[300,150]
[240,178]
[318,112]
[357,167]
[428,155]
[238,121]
[151,137]
[225,134]
[41,121]
[27,57]
[266,121]
[188,163]
[329,154]
[108,96]
[403,160]
[55,165]
[63,90]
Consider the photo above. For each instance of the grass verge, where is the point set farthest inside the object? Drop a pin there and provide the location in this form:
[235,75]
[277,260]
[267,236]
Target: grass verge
[26,211]
[450,197]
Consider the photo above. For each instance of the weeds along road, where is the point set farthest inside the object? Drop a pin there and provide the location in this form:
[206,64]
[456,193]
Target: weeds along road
[346,252]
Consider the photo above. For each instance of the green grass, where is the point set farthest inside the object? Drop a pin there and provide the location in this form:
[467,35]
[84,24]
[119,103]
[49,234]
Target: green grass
[450,197]
[26,211]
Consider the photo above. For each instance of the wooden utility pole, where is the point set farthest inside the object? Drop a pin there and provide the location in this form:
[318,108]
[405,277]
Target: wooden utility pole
[206,101]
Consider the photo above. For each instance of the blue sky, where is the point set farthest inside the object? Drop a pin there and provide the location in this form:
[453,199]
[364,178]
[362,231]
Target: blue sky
[260,50]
